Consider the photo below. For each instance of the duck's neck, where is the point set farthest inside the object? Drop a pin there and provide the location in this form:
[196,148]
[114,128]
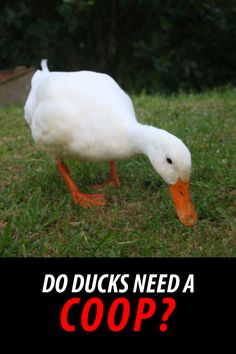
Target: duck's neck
[145,137]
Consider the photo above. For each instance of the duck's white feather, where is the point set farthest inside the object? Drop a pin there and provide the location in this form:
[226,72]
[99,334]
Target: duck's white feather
[83,115]
[87,116]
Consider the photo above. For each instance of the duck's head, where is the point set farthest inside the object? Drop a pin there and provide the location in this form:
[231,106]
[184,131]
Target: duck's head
[172,161]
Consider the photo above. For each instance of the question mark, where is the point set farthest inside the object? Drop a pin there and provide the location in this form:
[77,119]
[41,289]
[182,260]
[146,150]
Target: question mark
[171,306]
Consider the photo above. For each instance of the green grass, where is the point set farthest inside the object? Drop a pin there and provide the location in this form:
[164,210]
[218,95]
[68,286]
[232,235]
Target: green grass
[38,217]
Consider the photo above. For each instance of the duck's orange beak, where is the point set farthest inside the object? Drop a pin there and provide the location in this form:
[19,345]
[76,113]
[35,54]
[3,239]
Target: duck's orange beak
[183,203]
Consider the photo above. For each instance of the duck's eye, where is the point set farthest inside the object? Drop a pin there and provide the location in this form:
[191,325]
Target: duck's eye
[169,160]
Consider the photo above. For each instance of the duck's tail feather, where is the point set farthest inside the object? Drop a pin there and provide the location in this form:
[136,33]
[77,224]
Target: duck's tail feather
[44,65]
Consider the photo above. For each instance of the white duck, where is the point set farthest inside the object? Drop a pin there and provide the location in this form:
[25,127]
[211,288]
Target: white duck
[86,116]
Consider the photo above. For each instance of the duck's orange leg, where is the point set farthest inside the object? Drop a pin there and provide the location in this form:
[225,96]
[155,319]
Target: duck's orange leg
[114,177]
[85,200]
[113,180]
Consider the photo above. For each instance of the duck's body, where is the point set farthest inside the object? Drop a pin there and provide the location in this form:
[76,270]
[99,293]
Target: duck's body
[86,116]
[82,115]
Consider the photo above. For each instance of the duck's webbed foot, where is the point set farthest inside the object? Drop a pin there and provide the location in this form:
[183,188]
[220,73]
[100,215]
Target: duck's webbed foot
[85,200]
[112,181]
[89,200]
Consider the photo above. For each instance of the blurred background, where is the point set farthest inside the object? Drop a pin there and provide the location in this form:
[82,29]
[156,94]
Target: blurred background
[146,45]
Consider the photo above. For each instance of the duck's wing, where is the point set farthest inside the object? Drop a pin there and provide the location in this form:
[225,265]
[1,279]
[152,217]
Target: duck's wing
[95,91]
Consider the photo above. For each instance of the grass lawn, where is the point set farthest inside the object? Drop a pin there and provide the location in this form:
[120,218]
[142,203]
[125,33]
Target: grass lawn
[38,217]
